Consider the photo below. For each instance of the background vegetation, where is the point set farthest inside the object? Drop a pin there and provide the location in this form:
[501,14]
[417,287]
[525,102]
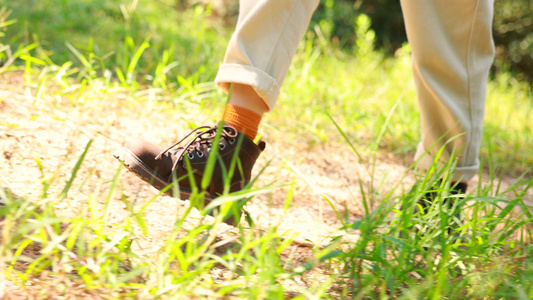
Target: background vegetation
[512,29]
[96,26]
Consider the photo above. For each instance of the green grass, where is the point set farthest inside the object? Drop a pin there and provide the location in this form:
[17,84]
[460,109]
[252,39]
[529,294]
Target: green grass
[349,100]
[400,252]
[102,39]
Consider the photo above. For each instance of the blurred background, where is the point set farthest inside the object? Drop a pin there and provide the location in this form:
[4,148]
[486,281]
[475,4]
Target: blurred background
[107,30]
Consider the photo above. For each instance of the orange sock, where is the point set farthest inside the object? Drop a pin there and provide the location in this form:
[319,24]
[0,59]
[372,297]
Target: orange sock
[243,120]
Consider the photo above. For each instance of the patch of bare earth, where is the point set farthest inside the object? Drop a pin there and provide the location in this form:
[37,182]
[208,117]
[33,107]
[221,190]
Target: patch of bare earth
[55,131]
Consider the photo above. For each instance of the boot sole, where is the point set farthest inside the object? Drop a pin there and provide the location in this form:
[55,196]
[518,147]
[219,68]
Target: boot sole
[135,165]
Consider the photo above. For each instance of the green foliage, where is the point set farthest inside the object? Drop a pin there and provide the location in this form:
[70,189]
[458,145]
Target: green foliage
[105,34]
[386,16]
[100,28]
[512,29]
[513,35]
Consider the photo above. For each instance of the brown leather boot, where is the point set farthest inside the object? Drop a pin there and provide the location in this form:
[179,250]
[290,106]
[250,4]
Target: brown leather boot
[159,166]
[458,188]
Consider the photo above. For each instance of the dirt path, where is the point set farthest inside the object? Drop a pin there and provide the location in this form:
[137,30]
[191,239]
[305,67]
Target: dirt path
[55,132]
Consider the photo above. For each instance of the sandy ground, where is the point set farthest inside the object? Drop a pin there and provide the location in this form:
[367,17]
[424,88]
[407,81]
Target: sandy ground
[55,132]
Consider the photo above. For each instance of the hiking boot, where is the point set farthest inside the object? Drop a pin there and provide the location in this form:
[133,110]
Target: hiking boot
[455,218]
[159,166]
[455,189]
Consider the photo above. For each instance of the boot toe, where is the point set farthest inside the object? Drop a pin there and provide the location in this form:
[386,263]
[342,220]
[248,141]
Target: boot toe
[147,152]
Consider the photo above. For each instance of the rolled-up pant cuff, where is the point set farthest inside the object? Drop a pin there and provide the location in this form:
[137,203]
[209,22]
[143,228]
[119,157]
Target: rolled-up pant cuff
[464,171]
[264,85]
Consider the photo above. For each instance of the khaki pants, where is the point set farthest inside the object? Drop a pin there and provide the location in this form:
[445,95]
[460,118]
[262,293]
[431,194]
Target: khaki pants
[452,50]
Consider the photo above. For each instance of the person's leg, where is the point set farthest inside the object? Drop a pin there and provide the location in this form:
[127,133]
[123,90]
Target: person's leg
[258,57]
[265,40]
[256,63]
[245,110]
[452,49]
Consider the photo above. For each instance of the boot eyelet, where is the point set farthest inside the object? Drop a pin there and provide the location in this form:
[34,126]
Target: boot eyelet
[200,154]
[190,155]
[222,146]
[232,141]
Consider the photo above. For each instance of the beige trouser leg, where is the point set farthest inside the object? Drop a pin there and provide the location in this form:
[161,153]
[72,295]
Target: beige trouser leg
[453,50]
[265,40]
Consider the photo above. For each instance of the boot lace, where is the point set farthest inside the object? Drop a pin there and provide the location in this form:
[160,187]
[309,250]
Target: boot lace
[204,136]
